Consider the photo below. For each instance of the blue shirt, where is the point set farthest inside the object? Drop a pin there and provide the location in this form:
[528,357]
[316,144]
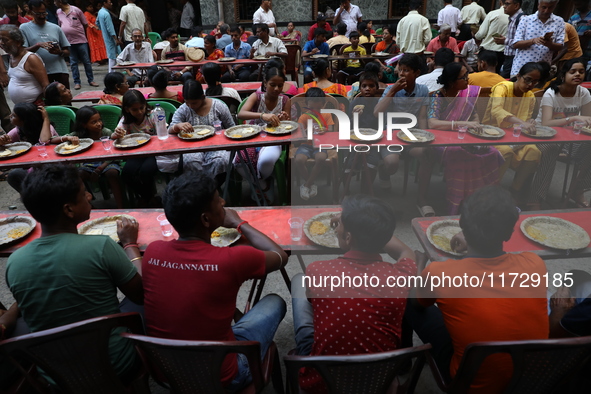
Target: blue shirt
[242,53]
[582,23]
[223,41]
[105,23]
[323,49]
[412,102]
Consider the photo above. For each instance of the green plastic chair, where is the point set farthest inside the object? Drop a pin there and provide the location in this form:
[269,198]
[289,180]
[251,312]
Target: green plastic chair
[62,118]
[154,37]
[166,100]
[166,106]
[240,121]
[110,114]
[280,174]
[379,31]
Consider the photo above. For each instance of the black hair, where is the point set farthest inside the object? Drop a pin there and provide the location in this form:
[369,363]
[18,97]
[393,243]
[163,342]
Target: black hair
[319,32]
[341,28]
[315,93]
[263,27]
[489,57]
[224,28]
[544,73]
[353,34]
[211,39]
[362,27]
[192,90]
[169,32]
[130,98]
[271,72]
[370,221]
[415,5]
[520,2]
[10,5]
[52,94]
[529,67]
[35,4]
[196,31]
[32,122]
[186,198]
[83,116]
[450,74]
[555,85]
[488,217]
[443,56]
[320,68]
[45,191]
[369,76]
[159,78]
[212,75]
[274,62]
[412,61]
[373,67]
[235,28]
[112,80]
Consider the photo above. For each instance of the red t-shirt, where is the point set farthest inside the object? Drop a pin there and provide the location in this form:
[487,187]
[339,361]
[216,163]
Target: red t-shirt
[315,26]
[367,322]
[190,290]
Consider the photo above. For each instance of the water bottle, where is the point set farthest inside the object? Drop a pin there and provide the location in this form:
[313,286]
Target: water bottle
[159,121]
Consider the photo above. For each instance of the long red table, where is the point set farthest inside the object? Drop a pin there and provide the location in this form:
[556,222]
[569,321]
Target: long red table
[518,241]
[94,96]
[172,145]
[450,138]
[272,221]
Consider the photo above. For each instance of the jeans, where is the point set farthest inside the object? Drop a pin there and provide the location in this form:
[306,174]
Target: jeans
[79,52]
[259,324]
[303,317]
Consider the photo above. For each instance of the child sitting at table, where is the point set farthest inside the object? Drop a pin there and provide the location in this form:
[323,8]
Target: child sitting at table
[321,123]
[353,65]
[115,87]
[31,125]
[90,125]
[159,80]
[200,110]
[138,172]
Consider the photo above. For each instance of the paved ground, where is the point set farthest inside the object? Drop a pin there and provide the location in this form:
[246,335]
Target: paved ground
[404,206]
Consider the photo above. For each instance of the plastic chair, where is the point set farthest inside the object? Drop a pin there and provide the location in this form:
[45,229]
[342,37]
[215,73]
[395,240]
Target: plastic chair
[62,118]
[240,121]
[292,63]
[192,367]
[76,356]
[154,37]
[280,175]
[539,366]
[373,373]
[167,100]
[380,31]
[168,108]
[110,114]
[232,104]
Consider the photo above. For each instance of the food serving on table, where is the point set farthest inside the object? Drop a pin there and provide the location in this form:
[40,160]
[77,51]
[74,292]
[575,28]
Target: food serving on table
[14,228]
[319,230]
[127,63]
[242,131]
[67,148]
[131,141]
[555,232]
[223,236]
[103,226]
[488,131]
[541,132]
[226,59]
[199,132]
[164,61]
[422,136]
[380,54]
[285,127]
[441,232]
[15,149]
[586,130]
[319,56]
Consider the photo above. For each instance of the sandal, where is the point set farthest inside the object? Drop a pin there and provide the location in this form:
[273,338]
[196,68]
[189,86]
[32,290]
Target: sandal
[426,211]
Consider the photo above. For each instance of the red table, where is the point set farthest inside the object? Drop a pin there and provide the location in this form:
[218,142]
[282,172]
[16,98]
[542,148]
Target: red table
[172,145]
[272,221]
[518,241]
[243,88]
[450,138]
[586,85]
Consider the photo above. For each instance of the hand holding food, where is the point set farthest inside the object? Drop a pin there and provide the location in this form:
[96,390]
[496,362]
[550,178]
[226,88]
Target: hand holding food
[127,230]
[271,119]
[184,127]
[5,139]
[118,133]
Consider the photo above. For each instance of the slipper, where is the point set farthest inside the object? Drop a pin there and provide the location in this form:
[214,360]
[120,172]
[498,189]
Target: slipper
[426,211]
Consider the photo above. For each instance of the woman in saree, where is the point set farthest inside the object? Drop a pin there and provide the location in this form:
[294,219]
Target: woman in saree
[512,103]
[467,168]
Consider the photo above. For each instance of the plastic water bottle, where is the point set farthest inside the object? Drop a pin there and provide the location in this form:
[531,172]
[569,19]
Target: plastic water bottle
[159,120]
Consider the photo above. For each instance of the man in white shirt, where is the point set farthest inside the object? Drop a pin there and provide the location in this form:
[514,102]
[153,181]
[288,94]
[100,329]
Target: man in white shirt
[266,46]
[493,27]
[132,17]
[196,39]
[265,15]
[139,51]
[443,56]
[187,17]
[451,16]
[349,14]
[414,31]
[472,14]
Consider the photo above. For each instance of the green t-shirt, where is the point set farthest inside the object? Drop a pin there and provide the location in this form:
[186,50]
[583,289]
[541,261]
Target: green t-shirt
[66,278]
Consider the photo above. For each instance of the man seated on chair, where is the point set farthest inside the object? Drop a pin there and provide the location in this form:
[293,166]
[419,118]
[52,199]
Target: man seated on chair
[487,311]
[266,46]
[63,277]
[486,77]
[317,46]
[353,318]
[206,278]
[176,51]
[239,50]
[139,51]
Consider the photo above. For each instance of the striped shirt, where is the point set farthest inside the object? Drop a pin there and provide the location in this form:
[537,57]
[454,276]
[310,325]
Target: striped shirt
[511,28]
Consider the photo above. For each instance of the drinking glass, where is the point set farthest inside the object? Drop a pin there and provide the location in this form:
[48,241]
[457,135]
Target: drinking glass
[218,127]
[296,227]
[517,129]
[165,226]
[462,132]
[41,149]
[107,143]
[577,127]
